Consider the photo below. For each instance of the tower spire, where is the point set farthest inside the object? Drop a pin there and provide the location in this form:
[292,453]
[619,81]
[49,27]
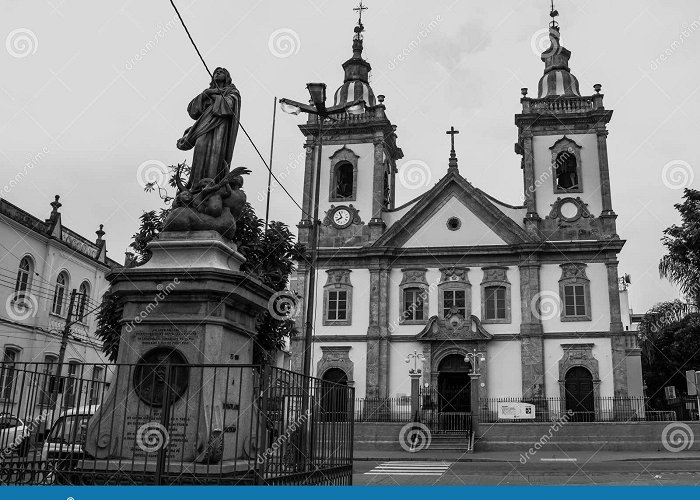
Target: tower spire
[557,79]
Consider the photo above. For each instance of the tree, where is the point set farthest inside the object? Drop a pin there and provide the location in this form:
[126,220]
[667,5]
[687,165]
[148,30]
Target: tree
[681,264]
[270,254]
[670,344]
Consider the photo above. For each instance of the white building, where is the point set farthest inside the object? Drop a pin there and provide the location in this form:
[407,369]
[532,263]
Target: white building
[533,287]
[41,262]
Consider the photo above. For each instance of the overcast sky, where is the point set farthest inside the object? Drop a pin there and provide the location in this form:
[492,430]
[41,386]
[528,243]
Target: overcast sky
[99,88]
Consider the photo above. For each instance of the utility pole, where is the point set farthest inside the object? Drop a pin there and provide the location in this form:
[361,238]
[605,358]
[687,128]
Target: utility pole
[62,350]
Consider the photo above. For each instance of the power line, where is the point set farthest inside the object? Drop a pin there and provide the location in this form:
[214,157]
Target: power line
[236,115]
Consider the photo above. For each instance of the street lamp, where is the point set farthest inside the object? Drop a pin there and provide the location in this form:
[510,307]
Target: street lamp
[415,355]
[317,91]
[474,358]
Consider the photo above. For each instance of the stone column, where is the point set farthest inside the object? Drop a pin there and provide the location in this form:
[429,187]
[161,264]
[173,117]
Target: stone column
[530,188]
[383,330]
[531,336]
[607,216]
[374,348]
[376,223]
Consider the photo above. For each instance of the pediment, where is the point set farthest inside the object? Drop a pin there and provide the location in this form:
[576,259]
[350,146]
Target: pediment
[453,213]
[440,329]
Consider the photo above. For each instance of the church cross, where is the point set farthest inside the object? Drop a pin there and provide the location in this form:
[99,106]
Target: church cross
[452,133]
[359,10]
[453,155]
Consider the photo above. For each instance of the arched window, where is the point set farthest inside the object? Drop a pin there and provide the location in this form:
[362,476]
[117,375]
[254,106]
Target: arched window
[344,180]
[59,294]
[566,170]
[7,373]
[24,277]
[82,300]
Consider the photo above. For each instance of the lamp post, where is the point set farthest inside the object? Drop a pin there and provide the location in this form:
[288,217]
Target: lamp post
[415,373]
[317,91]
[474,357]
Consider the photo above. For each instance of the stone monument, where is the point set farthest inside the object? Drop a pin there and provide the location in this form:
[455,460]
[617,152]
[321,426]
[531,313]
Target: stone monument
[188,307]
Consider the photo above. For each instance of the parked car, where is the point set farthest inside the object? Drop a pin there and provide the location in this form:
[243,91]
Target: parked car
[67,435]
[14,435]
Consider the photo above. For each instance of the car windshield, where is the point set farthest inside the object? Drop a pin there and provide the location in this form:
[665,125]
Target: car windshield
[69,429]
[8,421]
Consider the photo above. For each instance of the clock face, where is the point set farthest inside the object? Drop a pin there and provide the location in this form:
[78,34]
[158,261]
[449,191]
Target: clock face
[341,217]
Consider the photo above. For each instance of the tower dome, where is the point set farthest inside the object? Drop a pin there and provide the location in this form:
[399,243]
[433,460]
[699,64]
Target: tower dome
[557,80]
[356,83]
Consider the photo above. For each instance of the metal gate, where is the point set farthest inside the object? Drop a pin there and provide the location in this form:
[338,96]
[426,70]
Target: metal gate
[172,423]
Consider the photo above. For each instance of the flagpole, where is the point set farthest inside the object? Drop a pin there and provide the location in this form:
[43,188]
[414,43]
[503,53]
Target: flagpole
[269,173]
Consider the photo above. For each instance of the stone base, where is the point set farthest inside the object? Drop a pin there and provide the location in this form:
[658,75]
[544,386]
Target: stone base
[184,249]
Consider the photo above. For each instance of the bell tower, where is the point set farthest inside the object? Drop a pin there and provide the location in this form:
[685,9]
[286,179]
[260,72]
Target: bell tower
[358,161]
[562,137]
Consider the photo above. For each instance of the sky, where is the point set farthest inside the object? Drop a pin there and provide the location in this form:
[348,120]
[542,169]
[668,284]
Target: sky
[93,97]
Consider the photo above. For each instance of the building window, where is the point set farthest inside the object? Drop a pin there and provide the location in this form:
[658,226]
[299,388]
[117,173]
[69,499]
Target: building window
[454,293]
[7,374]
[96,384]
[566,166]
[413,297]
[337,298]
[24,277]
[343,181]
[575,293]
[413,305]
[71,388]
[82,300]
[59,294]
[454,301]
[48,380]
[495,295]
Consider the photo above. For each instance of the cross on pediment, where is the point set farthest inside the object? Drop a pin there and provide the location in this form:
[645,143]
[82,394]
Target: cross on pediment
[453,156]
[359,10]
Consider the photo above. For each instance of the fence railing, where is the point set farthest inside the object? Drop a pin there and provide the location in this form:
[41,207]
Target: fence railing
[170,423]
[383,409]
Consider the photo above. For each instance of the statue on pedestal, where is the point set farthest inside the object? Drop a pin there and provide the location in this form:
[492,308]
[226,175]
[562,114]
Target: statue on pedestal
[212,199]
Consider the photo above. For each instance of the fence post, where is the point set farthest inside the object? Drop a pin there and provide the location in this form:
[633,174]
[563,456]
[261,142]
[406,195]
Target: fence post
[474,387]
[415,394]
[260,460]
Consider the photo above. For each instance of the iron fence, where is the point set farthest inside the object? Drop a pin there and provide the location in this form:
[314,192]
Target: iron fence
[605,409]
[396,409]
[173,423]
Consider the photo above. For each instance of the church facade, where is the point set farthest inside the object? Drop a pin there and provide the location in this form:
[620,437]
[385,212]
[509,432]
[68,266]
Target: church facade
[532,289]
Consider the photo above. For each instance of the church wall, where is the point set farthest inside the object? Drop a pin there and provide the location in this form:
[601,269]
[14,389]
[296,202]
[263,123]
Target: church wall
[365,172]
[359,278]
[553,352]
[600,302]
[504,373]
[358,357]
[399,381]
[589,167]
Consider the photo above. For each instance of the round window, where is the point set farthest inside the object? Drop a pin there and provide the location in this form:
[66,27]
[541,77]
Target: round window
[453,223]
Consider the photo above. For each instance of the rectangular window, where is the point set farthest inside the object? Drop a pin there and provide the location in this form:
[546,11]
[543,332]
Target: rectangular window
[7,374]
[96,385]
[413,305]
[71,384]
[496,302]
[337,305]
[574,300]
[48,380]
[456,299]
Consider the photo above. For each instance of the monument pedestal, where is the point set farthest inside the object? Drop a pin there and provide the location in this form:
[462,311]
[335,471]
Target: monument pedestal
[183,385]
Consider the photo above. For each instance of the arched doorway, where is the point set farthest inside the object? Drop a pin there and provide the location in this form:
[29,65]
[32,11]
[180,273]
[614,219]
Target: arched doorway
[578,386]
[454,388]
[334,403]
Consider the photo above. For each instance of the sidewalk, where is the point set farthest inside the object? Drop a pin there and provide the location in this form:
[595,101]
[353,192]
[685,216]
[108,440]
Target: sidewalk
[579,457]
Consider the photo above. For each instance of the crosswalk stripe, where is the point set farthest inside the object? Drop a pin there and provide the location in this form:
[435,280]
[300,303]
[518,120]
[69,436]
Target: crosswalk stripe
[410,469]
